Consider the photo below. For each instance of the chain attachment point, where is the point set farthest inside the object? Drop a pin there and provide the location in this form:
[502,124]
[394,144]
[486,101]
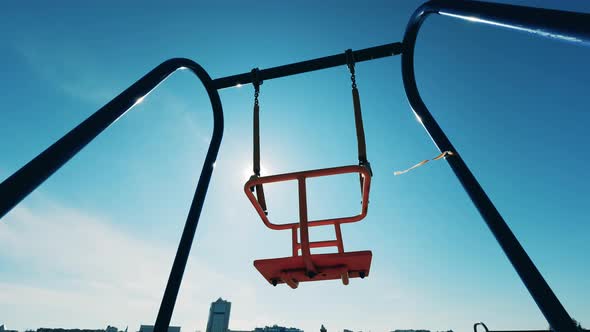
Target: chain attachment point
[350,62]
[257,82]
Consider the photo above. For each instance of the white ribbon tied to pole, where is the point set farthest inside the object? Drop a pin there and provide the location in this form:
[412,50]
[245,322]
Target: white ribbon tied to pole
[440,156]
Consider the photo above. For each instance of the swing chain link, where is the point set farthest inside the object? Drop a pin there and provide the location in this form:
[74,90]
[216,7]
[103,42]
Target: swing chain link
[256,93]
[350,64]
[256,82]
[353,77]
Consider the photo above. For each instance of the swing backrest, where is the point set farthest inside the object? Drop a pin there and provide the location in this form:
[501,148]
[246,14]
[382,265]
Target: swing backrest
[363,172]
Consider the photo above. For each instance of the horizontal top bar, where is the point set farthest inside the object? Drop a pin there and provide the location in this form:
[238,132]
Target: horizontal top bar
[310,65]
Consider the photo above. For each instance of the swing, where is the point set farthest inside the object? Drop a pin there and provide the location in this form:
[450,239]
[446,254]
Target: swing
[307,266]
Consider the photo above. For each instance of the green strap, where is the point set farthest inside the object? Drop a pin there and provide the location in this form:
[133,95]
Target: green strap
[256,140]
[358,116]
[360,131]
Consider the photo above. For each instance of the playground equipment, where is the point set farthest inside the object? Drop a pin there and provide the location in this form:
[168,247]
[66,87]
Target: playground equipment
[310,267]
[485,329]
[570,26]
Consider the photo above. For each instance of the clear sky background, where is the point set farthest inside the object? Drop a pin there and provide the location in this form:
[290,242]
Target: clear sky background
[94,244]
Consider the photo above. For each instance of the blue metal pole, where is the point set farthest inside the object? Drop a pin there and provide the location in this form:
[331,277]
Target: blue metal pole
[569,26]
[30,176]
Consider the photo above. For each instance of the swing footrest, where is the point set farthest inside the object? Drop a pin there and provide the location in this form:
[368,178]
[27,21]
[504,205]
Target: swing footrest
[291,270]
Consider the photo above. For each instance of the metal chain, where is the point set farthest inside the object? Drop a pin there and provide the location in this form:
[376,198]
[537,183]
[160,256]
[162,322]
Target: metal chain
[256,82]
[352,77]
[256,93]
[350,63]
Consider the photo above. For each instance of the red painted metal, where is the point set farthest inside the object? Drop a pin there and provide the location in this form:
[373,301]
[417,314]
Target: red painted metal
[307,266]
[291,270]
[366,183]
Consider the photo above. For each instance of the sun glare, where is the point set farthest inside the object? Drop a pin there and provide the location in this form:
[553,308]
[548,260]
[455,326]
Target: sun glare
[515,27]
[138,101]
[248,172]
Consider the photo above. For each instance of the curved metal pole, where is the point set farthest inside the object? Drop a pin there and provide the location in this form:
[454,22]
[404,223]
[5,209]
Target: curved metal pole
[548,23]
[478,324]
[30,176]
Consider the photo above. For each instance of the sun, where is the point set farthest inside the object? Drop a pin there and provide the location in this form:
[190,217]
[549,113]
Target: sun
[248,172]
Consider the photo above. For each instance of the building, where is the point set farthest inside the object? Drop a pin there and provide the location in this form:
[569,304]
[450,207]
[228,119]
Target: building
[219,316]
[4,329]
[45,329]
[276,328]
[150,328]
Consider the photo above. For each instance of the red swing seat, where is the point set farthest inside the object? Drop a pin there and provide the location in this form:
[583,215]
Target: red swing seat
[312,267]
[307,266]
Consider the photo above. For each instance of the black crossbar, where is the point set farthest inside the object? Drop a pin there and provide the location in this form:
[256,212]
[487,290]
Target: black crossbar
[330,61]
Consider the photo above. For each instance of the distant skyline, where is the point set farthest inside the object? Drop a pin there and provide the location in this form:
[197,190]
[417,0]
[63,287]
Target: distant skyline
[93,246]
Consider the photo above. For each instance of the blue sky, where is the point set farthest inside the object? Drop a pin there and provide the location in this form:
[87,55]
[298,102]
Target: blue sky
[94,244]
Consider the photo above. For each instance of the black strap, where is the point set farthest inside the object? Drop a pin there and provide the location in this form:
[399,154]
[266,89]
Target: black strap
[358,116]
[256,139]
[256,136]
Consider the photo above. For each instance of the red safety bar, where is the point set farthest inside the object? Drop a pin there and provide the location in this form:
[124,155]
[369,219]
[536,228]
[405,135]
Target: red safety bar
[308,267]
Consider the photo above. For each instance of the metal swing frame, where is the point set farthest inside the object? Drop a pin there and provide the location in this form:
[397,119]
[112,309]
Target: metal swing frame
[571,26]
